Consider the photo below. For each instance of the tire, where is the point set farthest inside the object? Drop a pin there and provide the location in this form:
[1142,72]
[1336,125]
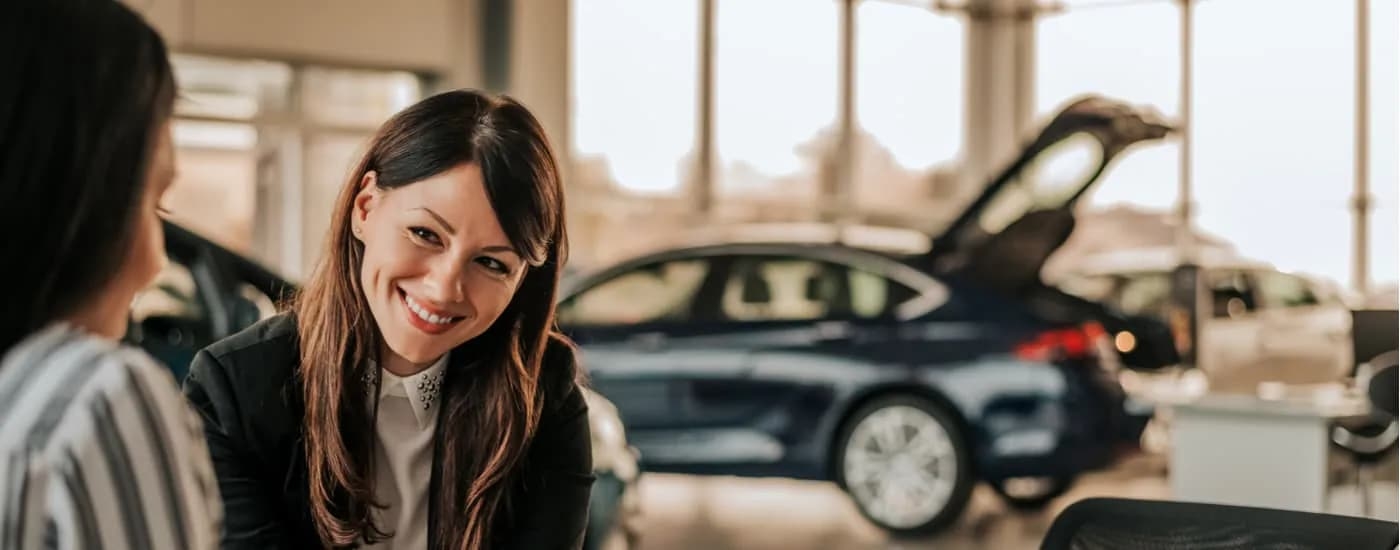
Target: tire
[913,490]
[1031,494]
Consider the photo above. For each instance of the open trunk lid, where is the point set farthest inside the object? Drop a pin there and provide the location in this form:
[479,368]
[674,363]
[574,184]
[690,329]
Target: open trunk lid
[1024,214]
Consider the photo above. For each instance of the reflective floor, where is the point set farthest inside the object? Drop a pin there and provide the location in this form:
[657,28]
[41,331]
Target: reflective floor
[714,513]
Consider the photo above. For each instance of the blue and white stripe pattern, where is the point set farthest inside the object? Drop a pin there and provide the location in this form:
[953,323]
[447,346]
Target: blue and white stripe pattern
[99,450]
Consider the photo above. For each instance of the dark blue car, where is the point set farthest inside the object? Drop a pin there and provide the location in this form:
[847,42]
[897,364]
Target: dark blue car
[903,373]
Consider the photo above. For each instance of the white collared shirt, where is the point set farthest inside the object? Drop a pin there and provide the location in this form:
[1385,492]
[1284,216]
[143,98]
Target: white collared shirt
[403,447]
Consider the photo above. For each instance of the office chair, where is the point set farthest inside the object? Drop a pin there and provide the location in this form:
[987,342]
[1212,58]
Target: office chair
[1113,524]
[1369,441]
[1384,384]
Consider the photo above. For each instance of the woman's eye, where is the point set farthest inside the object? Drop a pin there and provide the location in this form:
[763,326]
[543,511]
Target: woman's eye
[424,234]
[495,265]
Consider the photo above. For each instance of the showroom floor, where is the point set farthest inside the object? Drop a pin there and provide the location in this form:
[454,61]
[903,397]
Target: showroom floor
[715,513]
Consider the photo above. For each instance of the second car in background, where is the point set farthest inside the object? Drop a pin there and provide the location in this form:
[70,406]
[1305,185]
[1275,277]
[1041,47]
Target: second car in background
[1262,325]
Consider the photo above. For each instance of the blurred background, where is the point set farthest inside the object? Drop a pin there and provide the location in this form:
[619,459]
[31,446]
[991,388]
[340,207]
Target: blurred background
[768,199]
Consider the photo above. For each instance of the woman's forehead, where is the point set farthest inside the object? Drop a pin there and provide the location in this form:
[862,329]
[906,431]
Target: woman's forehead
[458,196]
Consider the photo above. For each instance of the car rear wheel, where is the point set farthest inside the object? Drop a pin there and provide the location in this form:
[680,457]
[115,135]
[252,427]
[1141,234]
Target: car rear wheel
[904,462]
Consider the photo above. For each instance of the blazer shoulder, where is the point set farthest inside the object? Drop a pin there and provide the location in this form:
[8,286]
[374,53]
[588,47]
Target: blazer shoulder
[254,364]
[267,344]
[561,376]
[276,333]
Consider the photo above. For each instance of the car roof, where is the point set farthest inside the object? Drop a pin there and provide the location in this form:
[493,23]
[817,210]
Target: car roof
[832,250]
[1162,259]
[883,239]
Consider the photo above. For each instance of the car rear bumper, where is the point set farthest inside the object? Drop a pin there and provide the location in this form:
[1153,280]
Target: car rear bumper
[1089,428]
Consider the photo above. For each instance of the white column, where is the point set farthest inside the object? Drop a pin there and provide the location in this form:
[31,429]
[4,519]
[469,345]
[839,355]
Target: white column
[540,72]
[702,178]
[839,200]
[1361,199]
[1185,200]
[465,55]
[999,93]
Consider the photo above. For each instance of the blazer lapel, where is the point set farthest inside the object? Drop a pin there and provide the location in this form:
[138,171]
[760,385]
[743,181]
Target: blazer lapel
[449,378]
[434,484]
[296,482]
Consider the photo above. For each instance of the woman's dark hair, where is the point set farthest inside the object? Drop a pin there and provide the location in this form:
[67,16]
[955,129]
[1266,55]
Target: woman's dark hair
[83,86]
[491,414]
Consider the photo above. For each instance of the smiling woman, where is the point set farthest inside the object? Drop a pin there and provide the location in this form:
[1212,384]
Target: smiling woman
[418,381]
[425,278]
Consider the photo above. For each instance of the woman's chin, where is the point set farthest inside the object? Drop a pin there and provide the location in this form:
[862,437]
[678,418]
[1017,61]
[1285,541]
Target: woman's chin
[416,352]
[420,356]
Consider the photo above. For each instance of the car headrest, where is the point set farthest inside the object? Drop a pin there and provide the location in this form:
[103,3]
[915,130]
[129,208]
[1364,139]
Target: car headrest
[756,290]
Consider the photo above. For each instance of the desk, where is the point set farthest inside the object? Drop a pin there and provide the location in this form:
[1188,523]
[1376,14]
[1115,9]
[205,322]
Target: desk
[1249,451]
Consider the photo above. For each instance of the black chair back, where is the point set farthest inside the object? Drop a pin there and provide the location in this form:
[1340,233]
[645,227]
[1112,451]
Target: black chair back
[1114,524]
[1385,388]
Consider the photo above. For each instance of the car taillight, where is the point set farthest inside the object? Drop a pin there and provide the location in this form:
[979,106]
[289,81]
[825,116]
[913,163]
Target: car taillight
[1077,342]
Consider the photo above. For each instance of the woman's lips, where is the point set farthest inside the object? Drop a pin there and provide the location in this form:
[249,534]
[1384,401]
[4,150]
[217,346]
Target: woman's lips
[425,318]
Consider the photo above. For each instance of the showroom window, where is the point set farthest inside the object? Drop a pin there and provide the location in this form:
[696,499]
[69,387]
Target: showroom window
[263,148]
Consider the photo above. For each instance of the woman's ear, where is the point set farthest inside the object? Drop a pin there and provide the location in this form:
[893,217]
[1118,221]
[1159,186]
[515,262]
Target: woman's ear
[364,202]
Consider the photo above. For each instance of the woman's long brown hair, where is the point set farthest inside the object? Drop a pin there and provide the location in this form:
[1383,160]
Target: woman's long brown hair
[492,406]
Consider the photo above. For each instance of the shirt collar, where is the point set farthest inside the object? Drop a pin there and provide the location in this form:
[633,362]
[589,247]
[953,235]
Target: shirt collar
[423,389]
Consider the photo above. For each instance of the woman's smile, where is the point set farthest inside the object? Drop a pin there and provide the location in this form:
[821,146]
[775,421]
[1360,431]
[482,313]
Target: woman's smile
[425,317]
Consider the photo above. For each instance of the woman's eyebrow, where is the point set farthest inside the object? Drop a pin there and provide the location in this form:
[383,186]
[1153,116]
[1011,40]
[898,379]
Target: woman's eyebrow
[439,219]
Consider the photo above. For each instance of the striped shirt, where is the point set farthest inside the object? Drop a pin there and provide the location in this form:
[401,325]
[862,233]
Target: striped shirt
[99,450]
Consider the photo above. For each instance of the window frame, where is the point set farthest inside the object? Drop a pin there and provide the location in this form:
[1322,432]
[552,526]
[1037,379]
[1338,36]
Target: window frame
[928,293]
[848,270]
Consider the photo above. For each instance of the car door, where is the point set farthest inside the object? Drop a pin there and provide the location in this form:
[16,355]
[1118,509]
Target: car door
[1230,351]
[801,325]
[177,313]
[641,330]
[1305,338]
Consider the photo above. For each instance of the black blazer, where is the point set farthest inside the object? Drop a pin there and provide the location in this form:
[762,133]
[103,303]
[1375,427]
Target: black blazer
[247,390]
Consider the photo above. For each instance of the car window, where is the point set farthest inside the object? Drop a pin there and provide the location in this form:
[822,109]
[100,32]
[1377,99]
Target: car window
[169,320]
[1048,182]
[1146,294]
[655,292]
[1095,288]
[250,305]
[1281,290]
[174,295]
[1232,294]
[802,289]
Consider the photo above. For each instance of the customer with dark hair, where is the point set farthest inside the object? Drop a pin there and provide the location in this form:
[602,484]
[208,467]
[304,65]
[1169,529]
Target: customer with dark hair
[417,396]
[97,449]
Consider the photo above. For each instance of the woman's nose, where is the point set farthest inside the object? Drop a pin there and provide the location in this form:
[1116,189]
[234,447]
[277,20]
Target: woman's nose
[446,283]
